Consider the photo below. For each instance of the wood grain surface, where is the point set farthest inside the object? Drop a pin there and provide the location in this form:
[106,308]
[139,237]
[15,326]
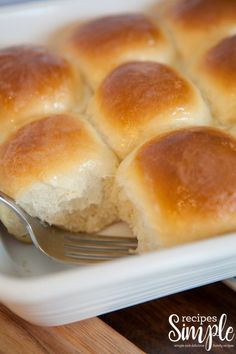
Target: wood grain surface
[86,337]
[147,325]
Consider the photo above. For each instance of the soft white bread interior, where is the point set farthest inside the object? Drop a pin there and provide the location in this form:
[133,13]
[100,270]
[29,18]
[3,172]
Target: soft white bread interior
[138,100]
[215,73]
[179,187]
[59,170]
[35,81]
[13,224]
[196,25]
[99,45]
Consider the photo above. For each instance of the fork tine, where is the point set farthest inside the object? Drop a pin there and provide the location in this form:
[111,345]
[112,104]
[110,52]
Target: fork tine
[102,244]
[97,247]
[102,239]
[93,257]
[86,249]
[95,251]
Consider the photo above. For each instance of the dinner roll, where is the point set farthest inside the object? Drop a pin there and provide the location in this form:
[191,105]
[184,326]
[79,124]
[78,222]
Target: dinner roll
[34,81]
[141,99]
[101,44]
[196,25]
[59,170]
[13,224]
[216,75]
[179,187]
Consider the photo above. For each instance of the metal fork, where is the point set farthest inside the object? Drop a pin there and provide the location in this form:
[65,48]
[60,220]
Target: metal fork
[69,247]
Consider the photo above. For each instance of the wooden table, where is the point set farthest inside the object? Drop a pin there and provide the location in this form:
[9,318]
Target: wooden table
[138,329]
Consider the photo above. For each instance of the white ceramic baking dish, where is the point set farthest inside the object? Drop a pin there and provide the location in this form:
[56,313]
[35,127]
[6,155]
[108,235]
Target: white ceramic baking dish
[48,293]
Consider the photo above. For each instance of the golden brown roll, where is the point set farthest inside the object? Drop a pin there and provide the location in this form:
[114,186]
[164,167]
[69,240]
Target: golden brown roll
[34,81]
[196,25]
[216,75]
[179,187]
[101,44]
[59,170]
[142,99]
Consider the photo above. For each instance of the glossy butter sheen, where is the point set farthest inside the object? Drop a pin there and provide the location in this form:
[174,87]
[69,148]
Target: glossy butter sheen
[107,35]
[136,92]
[33,81]
[43,149]
[99,45]
[191,172]
[141,99]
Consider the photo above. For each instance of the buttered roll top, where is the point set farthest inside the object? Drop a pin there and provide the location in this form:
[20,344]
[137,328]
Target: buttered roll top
[99,45]
[138,100]
[196,25]
[34,81]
